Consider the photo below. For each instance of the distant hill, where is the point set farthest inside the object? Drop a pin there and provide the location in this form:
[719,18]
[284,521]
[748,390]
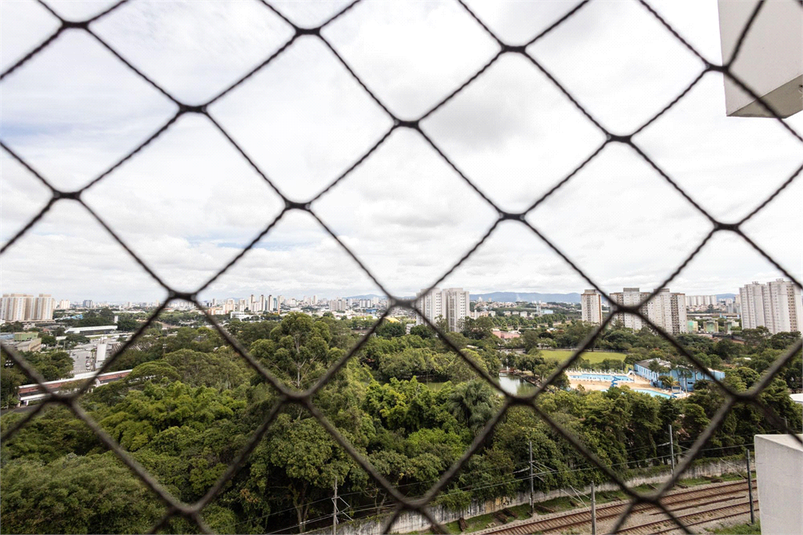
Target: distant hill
[523,296]
[528,296]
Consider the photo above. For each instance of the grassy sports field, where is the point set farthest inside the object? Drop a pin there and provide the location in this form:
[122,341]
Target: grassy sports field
[592,357]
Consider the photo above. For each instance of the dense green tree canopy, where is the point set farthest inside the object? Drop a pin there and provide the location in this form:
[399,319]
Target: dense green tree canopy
[406,403]
[76,494]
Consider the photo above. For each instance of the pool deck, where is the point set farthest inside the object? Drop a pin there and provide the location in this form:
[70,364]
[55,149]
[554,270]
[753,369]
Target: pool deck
[587,384]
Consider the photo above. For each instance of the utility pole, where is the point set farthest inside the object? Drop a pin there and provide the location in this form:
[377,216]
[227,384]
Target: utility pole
[672,449]
[532,491]
[593,510]
[750,488]
[334,513]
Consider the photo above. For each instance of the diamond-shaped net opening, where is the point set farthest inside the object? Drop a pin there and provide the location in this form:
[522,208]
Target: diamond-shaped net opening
[399,122]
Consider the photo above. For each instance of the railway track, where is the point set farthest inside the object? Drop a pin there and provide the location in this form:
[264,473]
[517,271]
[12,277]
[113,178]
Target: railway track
[691,519]
[727,499]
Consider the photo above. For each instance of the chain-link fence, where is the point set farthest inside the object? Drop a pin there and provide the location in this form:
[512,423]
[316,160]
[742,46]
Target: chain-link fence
[193,511]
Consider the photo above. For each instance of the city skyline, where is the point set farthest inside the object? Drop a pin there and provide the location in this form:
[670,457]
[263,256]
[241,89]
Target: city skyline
[590,299]
[404,212]
[82,300]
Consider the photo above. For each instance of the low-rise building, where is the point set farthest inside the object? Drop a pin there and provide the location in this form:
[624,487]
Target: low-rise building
[24,341]
[34,344]
[711,326]
[91,331]
[684,376]
[506,335]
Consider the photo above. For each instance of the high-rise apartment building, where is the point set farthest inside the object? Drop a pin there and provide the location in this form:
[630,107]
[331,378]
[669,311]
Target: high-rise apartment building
[339,305]
[785,306]
[629,297]
[256,304]
[431,305]
[458,307]
[701,300]
[775,305]
[451,304]
[752,301]
[591,306]
[666,310]
[14,307]
[43,306]
[24,307]
[679,323]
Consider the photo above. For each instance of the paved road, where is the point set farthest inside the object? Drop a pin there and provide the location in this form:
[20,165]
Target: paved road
[79,356]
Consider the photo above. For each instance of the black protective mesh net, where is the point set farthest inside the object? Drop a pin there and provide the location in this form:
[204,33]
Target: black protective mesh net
[193,511]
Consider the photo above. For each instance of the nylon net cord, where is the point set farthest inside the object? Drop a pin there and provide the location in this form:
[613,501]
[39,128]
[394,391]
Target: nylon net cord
[193,512]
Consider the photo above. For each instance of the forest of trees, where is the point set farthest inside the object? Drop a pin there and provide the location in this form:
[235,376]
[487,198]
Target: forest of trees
[405,402]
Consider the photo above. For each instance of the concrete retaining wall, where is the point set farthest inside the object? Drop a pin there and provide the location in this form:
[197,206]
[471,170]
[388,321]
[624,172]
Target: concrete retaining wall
[411,521]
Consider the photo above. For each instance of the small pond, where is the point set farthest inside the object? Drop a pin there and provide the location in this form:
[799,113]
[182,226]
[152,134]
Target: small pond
[513,385]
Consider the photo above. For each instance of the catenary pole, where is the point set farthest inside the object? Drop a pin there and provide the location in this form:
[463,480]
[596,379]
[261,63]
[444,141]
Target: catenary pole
[334,511]
[532,491]
[593,510]
[672,449]
[750,488]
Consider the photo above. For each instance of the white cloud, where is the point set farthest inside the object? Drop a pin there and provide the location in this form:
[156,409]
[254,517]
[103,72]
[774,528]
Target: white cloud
[72,257]
[728,164]
[23,26]
[516,23]
[79,9]
[619,220]
[188,202]
[298,258]
[304,119]
[74,110]
[505,130]
[412,54]
[406,213]
[194,49]
[309,14]
[776,228]
[722,263]
[618,61]
[184,200]
[514,257]
[22,196]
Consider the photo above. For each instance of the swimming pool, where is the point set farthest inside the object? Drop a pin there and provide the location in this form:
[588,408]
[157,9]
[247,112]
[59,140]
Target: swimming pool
[601,377]
[652,393]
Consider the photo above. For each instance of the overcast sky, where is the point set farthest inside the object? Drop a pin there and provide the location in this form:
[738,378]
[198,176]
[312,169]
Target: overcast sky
[189,201]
